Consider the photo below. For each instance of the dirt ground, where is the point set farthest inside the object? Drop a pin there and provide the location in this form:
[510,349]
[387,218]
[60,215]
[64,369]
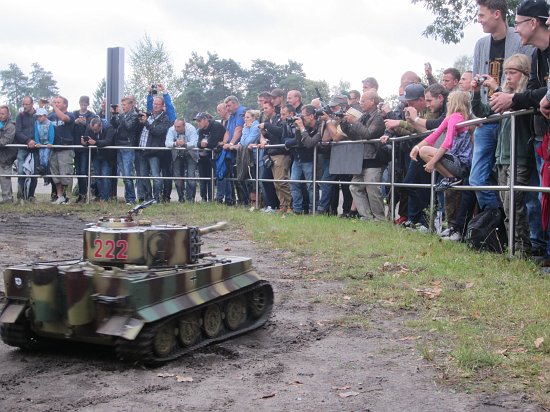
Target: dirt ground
[302,359]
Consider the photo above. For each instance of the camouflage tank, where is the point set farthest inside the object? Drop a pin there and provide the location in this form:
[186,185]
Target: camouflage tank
[145,289]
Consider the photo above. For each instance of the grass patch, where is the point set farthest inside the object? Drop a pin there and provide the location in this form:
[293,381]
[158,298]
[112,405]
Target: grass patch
[479,312]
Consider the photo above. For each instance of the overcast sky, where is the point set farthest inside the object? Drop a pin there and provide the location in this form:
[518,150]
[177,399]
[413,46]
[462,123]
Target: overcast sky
[334,40]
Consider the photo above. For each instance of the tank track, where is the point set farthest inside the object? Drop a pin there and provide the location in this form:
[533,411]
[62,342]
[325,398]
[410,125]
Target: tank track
[142,348]
[19,334]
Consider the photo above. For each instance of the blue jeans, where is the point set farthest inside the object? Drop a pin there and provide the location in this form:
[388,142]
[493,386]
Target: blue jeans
[185,167]
[150,166]
[326,188]
[102,167]
[125,163]
[534,211]
[483,160]
[143,186]
[81,168]
[418,199]
[298,171]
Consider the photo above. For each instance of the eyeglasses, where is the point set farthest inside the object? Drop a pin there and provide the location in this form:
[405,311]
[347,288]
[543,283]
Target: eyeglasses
[517,23]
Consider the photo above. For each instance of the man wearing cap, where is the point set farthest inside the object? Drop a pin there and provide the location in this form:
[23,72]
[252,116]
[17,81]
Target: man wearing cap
[211,135]
[24,134]
[278,98]
[184,162]
[489,55]
[82,118]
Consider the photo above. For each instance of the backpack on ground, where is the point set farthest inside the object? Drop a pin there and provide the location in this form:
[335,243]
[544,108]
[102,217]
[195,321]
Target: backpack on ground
[486,231]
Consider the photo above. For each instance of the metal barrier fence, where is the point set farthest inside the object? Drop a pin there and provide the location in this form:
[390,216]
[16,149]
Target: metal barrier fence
[512,187]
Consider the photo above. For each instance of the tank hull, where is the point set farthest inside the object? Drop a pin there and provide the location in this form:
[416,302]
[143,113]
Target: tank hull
[148,314]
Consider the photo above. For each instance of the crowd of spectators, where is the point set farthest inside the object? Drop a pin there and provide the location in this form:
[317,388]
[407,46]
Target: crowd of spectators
[289,143]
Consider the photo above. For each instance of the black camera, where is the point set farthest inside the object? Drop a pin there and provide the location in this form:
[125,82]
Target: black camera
[481,79]
[292,119]
[339,113]
[154,89]
[86,139]
[146,114]
[325,109]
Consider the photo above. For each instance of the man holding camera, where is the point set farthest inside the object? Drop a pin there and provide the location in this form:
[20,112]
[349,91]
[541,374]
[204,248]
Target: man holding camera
[211,135]
[369,126]
[184,162]
[83,116]
[98,135]
[166,166]
[126,125]
[154,125]
[301,144]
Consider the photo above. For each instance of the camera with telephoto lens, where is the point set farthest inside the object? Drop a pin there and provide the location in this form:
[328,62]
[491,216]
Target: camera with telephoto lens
[481,79]
[292,119]
[154,89]
[340,114]
[325,109]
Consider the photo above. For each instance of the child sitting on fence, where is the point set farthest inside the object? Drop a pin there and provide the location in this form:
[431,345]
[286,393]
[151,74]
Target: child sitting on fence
[43,136]
[454,158]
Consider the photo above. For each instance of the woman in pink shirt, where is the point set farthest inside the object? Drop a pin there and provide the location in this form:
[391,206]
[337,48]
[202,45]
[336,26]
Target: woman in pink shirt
[454,157]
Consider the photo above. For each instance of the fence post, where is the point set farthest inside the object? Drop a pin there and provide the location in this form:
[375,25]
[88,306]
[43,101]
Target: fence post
[512,203]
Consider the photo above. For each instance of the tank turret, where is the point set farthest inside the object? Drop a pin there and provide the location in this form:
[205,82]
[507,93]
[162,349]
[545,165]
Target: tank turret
[148,290]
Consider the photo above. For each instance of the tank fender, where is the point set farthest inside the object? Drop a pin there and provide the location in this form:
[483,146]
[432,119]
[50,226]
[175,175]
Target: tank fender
[198,297]
[122,326]
[12,311]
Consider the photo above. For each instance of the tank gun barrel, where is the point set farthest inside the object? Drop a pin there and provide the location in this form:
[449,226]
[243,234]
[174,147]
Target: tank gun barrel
[135,210]
[213,228]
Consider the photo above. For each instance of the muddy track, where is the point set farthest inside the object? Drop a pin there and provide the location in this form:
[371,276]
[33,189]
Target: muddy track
[300,360]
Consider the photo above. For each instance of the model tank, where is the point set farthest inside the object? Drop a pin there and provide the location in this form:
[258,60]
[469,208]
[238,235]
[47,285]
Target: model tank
[147,290]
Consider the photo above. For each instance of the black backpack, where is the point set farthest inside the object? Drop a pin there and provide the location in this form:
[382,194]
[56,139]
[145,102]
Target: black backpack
[486,231]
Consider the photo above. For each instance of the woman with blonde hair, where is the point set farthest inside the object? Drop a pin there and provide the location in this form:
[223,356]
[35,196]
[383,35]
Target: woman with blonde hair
[454,157]
[516,71]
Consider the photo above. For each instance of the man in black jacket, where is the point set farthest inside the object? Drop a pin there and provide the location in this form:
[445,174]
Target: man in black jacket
[24,134]
[153,134]
[211,135]
[126,125]
[97,135]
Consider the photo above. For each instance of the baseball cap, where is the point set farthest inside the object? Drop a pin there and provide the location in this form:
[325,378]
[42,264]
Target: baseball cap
[41,112]
[533,8]
[412,92]
[338,100]
[200,115]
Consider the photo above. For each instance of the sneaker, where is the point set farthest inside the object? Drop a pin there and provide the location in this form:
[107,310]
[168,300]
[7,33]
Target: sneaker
[400,220]
[421,228]
[268,209]
[408,224]
[454,236]
[447,232]
[446,183]
[60,200]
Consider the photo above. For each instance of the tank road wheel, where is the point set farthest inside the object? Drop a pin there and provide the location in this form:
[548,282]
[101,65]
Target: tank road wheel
[164,340]
[235,312]
[259,301]
[212,320]
[189,329]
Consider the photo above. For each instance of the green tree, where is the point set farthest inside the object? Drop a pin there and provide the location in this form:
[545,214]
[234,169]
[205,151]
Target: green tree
[343,85]
[41,83]
[99,95]
[151,64]
[309,93]
[464,63]
[15,85]
[452,16]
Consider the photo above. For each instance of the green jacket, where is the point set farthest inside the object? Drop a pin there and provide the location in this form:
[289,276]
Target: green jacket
[524,132]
